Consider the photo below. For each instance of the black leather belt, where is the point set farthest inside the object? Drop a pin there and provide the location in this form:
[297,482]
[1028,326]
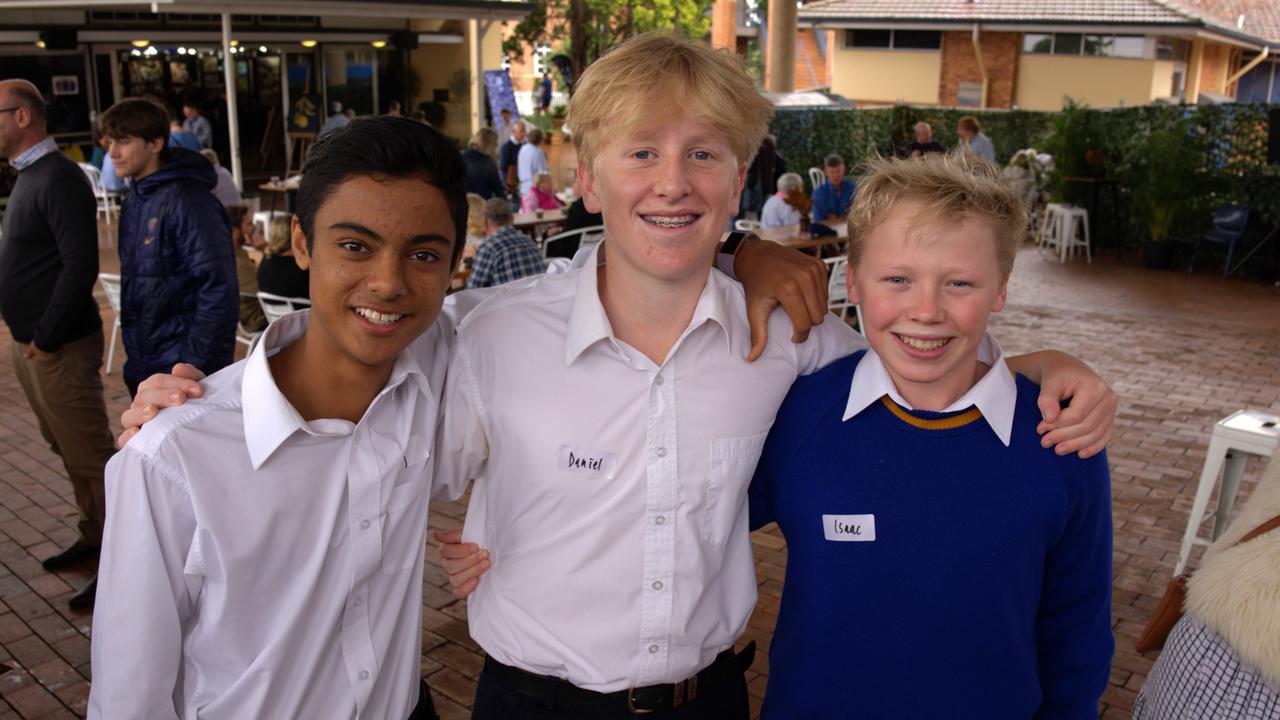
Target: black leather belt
[640,701]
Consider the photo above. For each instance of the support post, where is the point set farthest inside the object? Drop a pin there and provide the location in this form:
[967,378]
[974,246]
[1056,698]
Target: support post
[476,54]
[229,82]
[780,73]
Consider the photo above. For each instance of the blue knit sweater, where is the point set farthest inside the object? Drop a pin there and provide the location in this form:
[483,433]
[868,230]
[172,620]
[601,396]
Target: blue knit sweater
[981,588]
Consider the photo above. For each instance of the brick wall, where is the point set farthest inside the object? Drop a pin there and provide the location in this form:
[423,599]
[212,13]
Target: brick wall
[811,64]
[1219,61]
[1000,55]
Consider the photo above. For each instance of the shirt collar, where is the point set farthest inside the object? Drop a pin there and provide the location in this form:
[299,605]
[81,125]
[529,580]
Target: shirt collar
[34,153]
[995,395]
[270,419]
[588,323]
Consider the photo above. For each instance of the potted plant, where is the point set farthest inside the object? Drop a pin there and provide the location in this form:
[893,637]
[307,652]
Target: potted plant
[1167,162]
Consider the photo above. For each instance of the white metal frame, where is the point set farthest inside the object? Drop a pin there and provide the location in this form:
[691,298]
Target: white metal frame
[111,286]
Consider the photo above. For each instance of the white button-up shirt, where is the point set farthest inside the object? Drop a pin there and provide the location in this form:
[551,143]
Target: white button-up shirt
[995,394]
[257,565]
[611,491]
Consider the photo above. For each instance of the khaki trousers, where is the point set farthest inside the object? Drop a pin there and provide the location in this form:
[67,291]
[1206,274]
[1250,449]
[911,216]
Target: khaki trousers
[66,396]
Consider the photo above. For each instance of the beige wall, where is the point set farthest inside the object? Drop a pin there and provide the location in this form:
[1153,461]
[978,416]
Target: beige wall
[436,64]
[1045,80]
[886,76]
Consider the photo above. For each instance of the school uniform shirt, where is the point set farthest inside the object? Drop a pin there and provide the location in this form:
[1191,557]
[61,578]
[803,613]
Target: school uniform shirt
[610,491]
[950,543]
[259,565]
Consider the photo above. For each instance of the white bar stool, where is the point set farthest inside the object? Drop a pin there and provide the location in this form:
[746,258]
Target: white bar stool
[1244,432]
[1071,238]
[1052,227]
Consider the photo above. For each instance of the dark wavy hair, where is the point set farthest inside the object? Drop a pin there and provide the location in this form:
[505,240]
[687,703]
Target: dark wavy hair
[384,147]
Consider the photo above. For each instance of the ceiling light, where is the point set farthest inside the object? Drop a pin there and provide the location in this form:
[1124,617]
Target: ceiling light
[379,44]
[40,44]
[139,43]
[262,48]
[308,43]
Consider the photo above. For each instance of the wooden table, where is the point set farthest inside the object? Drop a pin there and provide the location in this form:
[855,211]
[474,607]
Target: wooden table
[286,187]
[790,236]
[527,220]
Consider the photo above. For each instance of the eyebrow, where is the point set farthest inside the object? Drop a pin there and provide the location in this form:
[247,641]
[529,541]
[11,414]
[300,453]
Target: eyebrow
[359,229]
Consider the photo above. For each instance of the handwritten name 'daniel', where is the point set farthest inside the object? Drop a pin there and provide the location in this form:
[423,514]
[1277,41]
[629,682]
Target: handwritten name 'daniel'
[585,463]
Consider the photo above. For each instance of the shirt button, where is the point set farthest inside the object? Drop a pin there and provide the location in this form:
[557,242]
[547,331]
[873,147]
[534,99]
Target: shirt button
[364,674]
[364,524]
[658,380]
[657,584]
[660,520]
[662,452]
[653,649]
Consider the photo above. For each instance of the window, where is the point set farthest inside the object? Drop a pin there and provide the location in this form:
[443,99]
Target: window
[1067,43]
[917,39]
[1175,49]
[1098,44]
[893,39]
[1129,46]
[1037,43]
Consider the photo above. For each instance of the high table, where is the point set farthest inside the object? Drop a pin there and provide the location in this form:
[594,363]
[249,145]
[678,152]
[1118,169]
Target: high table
[530,220]
[288,188]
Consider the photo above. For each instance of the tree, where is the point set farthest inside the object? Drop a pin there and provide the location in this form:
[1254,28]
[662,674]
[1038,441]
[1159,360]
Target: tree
[585,29]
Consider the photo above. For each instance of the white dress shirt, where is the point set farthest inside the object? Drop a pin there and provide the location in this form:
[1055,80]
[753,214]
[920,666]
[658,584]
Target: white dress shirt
[995,394]
[777,213]
[257,565]
[611,491]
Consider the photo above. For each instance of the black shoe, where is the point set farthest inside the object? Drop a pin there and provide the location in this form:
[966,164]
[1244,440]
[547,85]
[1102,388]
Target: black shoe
[83,600]
[74,555]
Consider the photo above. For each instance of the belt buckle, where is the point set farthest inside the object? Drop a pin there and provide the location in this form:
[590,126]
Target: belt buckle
[631,704]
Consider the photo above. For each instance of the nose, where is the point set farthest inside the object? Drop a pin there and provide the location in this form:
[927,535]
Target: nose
[926,305]
[386,277]
[672,181]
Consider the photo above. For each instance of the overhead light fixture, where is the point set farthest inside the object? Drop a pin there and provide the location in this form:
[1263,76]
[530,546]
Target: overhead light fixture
[139,43]
[150,51]
[40,44]
[136,53]
[308,43]
[182,51]
[235,43]
[379,44]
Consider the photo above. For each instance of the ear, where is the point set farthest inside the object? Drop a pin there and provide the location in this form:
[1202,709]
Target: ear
[998,305]
[851,285]
[156,146]
[588,179]
[299,242]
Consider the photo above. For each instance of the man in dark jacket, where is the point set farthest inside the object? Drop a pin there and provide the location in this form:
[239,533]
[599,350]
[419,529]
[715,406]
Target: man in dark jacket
[482,171]
[48,265]
[508,155]
[180,298]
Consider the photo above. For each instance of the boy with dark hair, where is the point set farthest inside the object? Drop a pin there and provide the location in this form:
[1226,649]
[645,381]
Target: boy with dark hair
[264,547]
[179,298]
[926,526]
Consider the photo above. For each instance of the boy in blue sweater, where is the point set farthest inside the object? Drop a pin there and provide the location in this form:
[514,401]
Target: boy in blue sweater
[941,562]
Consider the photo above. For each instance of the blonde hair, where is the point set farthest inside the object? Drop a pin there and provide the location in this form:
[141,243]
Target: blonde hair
[475,215]
[485,140]
[279,235]
[952,187]
[623,88]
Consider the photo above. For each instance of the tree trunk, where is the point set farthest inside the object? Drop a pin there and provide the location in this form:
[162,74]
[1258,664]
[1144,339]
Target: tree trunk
[578,38]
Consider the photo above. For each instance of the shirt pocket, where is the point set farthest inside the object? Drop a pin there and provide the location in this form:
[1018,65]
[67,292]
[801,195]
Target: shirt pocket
[404,527]
[733,462]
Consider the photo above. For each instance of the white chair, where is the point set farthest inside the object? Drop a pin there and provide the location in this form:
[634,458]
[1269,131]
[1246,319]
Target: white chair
[587,237]
[747,225]
[111,286]
[263,220]
[1244,432]
[108,202]
[838,290]
[277,306]
[245,336]
[816,177]
[1051,227]
[557,265]
[1075,232]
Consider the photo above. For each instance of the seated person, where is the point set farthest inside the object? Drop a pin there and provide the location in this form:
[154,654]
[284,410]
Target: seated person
[181,138]
[577,215]
[926,526]
[542,196]
[831,199]
[279,273]
[923,143]
[777,211]
[225,190]
[242,231]
[506,253]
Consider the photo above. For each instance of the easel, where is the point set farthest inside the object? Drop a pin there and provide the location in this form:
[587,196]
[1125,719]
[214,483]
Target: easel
[299,143]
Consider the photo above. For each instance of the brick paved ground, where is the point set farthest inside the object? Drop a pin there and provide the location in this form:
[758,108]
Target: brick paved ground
[1137,328]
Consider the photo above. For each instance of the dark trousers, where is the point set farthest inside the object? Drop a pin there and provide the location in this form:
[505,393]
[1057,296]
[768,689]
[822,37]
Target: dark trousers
[494,701]
[426,708]
[65,393]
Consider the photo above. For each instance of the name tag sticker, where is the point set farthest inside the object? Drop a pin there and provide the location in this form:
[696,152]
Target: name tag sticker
[849,528]
[590,462]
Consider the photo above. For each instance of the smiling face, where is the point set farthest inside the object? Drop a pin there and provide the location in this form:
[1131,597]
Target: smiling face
[666,190]
[379,267]
[926,290]
[133,157]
